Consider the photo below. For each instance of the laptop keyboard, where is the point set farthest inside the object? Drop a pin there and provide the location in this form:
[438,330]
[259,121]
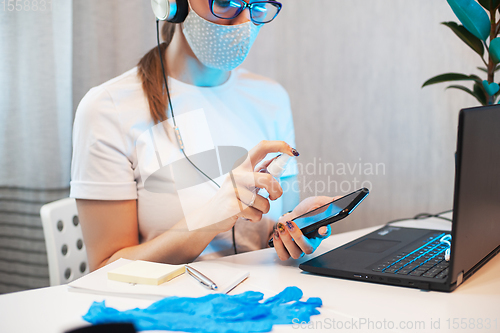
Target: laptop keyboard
[426,260]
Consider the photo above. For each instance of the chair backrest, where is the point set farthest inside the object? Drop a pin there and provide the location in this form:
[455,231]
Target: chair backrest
[66,251]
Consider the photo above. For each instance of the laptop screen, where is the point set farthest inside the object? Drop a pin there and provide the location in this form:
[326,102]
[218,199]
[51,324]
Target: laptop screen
[476,211]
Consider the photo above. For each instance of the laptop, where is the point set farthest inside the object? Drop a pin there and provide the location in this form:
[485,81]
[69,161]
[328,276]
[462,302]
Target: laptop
[412,257]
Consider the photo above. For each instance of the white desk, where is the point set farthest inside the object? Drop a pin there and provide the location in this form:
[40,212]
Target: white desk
[55,309]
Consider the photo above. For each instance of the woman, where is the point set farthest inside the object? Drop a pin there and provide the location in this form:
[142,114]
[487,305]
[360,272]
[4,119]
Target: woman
[122,139]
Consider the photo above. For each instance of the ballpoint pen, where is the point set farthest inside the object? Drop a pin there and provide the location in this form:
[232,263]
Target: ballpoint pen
[205,281]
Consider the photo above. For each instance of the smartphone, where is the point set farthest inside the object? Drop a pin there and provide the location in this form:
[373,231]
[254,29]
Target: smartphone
[334,211]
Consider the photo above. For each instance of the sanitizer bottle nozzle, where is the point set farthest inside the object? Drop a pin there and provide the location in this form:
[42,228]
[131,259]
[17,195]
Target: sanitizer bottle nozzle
[277,167]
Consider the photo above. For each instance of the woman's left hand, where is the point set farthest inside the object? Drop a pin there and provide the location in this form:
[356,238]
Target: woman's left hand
[288,239]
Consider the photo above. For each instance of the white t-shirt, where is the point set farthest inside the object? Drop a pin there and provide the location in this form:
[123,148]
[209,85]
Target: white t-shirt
[117,146]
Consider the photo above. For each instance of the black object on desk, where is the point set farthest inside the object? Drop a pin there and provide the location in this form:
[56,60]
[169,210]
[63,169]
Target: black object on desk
[106,328]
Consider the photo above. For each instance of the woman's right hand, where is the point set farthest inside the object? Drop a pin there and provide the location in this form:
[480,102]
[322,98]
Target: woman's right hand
[238,196]
[110,228]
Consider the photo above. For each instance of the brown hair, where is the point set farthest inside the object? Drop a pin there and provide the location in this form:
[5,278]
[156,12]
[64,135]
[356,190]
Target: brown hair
[150,73]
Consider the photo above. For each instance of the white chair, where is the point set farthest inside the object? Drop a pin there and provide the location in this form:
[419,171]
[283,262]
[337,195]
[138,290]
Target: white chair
[66,251]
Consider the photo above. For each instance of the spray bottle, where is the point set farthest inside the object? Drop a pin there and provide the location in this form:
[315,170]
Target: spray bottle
[276,168]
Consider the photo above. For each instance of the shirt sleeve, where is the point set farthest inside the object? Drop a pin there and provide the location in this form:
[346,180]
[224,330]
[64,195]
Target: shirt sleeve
[101,167]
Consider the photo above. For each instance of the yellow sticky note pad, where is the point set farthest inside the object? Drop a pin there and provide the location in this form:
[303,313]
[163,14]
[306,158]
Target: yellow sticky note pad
[146,272]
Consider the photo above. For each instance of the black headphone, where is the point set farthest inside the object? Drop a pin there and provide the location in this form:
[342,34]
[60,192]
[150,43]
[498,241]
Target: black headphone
[174,11]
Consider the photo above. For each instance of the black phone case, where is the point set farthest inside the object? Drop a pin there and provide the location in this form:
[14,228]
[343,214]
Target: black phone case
[311,231]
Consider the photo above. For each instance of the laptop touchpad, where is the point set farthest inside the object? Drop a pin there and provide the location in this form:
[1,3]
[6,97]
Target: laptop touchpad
[373,245]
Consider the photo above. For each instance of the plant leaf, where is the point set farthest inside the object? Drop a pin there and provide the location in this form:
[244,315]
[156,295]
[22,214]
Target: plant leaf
[467,90]
[473,17]
[476,78]
[495,97]
[449,77]
[486,4]
[495,49]
[480,93]
[468,38]
[484,69]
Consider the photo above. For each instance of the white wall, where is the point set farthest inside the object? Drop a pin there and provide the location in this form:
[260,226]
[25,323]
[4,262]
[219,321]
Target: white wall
[353,69]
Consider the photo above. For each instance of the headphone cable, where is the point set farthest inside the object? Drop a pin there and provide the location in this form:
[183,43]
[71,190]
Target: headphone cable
[179,139]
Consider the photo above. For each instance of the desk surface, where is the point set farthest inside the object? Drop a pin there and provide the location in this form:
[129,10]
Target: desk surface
[475,303]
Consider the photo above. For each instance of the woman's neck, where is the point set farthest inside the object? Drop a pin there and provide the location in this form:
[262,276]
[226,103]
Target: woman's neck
[183,65]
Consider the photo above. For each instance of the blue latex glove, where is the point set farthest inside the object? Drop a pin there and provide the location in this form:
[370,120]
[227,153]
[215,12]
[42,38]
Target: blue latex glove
[213,313]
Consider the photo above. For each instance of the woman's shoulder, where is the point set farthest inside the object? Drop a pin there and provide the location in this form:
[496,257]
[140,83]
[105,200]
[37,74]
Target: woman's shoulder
[123,92]
[116,106]
[120,86]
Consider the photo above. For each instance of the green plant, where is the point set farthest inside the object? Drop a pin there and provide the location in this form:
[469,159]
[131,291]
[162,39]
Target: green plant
[479,19]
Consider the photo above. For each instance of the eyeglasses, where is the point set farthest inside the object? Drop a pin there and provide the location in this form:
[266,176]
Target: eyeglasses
[260,11]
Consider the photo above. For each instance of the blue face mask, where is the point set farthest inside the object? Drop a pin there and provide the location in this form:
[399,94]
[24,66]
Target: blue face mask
[222,47]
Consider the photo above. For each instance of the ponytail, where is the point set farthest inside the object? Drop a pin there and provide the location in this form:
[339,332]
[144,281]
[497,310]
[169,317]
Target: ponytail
[150,73]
